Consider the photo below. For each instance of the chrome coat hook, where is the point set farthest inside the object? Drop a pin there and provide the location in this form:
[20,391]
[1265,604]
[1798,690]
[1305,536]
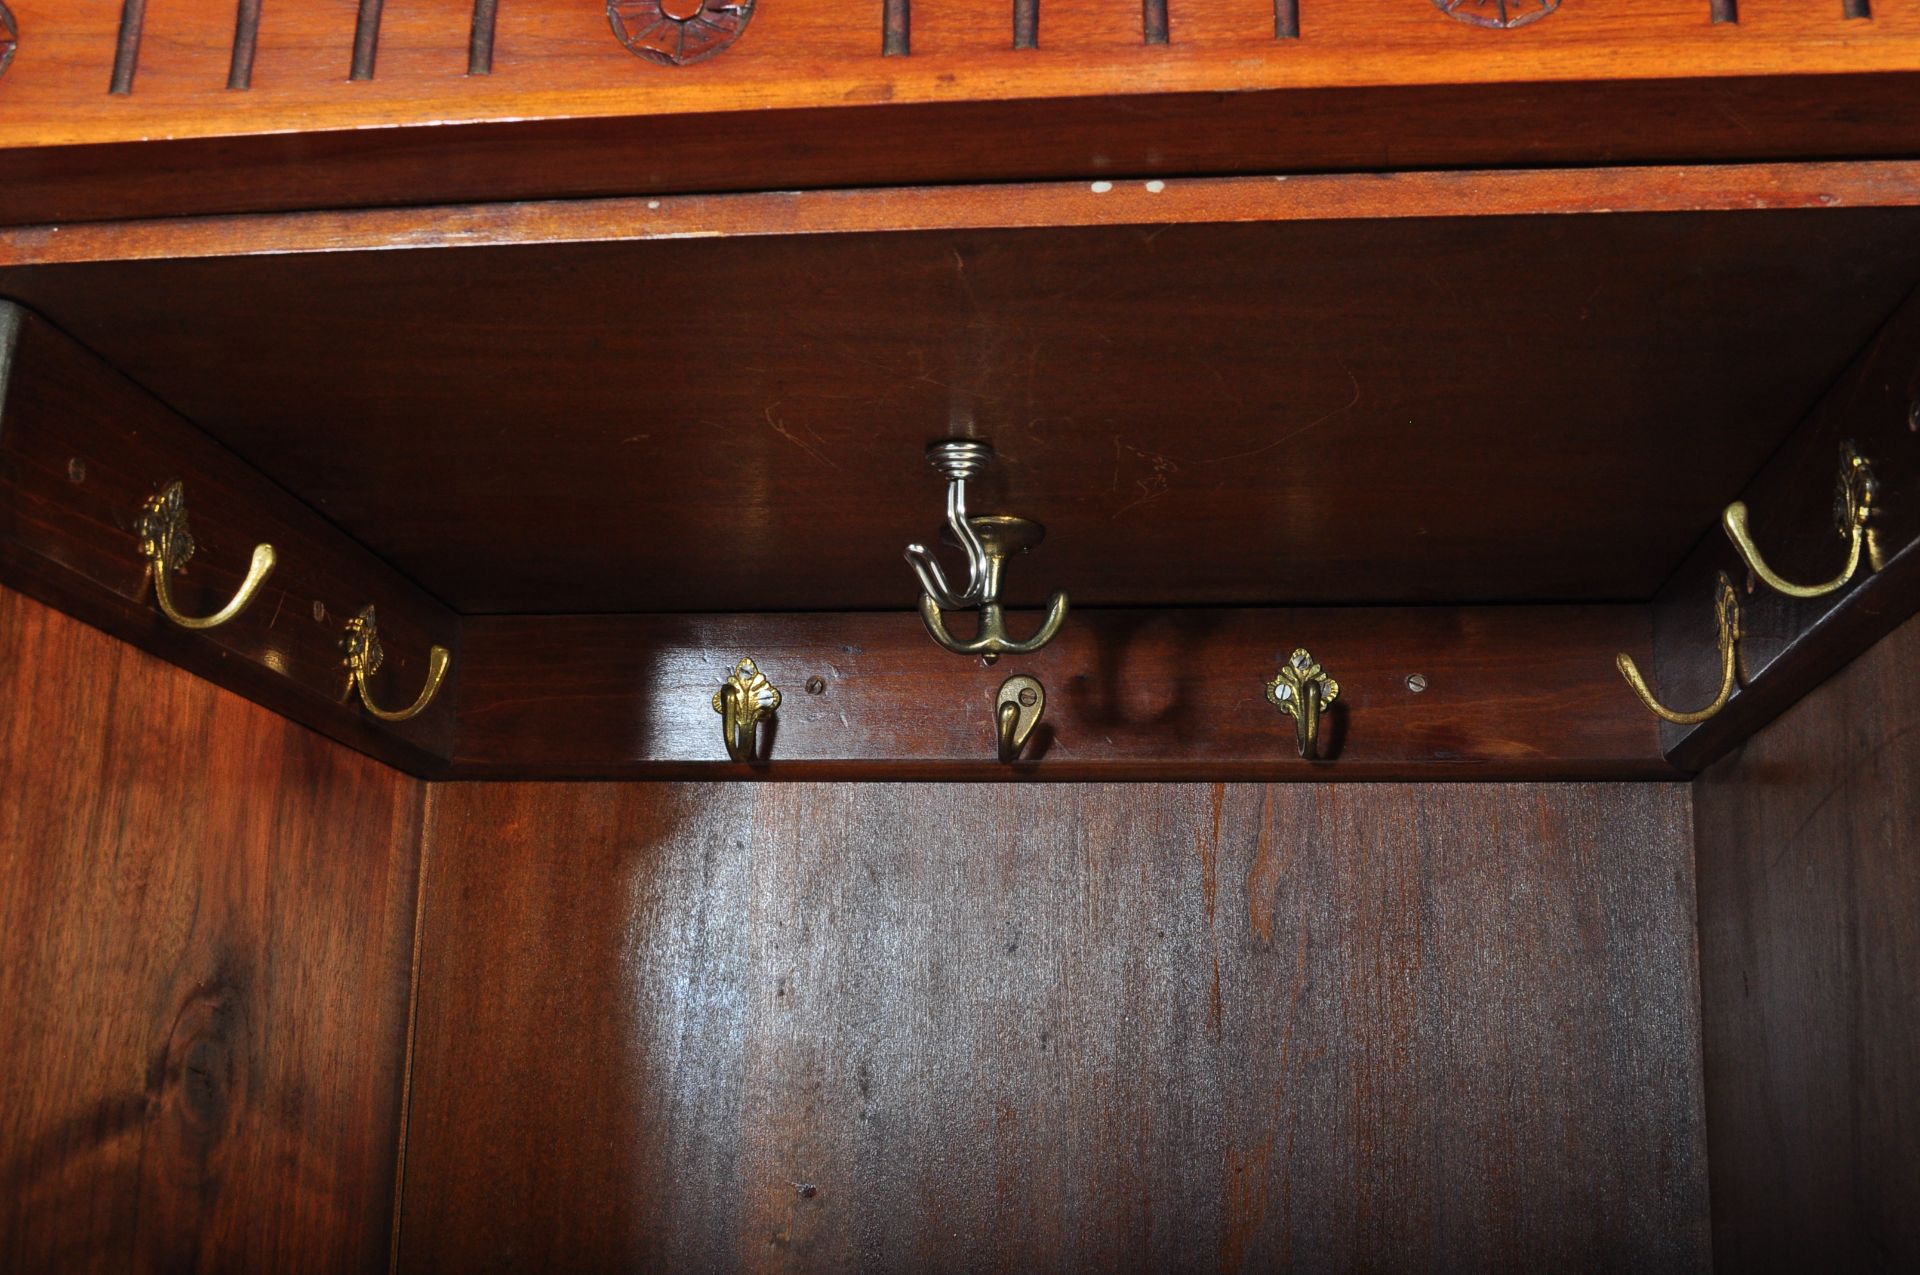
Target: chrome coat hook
[1302,690]
[1727,612]
[1853,495]
[166,543]
[364,657]
[743,701]
[987,541]
[1016,711]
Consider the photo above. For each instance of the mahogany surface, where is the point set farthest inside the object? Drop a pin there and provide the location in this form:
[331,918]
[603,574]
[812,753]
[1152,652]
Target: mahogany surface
[1407,410]
[1790,645]
[329,113]
[1809,858]
[206,931]
[81,450]
[1507,692]
[923,1027]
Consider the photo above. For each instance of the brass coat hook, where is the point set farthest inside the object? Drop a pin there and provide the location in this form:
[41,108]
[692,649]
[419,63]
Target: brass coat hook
[1727,613]
[743,701]
[364,657]
[1302,690]
[987,541]
[1853,494]
[166,543]
[1016,711]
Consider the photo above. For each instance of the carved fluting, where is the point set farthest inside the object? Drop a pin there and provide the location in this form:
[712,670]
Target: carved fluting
[9,38]
[676,32]
[1497,13]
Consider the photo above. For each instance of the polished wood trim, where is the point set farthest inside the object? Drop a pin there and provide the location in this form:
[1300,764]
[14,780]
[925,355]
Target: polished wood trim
[1510,692]
[81,448]
[1197,201]
[1137,136]
[1792,645]
[557,60]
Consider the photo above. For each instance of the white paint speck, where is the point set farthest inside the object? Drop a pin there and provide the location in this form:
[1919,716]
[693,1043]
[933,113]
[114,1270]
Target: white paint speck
[653,203]
[1155,187]
[1101,188]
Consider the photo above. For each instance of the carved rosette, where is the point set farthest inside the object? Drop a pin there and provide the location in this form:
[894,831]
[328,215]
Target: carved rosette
[9,38]
[1497,13]
[676,32]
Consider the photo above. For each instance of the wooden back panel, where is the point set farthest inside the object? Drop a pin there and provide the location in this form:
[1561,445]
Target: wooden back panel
[1146,1027]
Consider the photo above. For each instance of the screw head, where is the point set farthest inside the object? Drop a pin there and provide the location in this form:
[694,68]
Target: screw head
[1913,416]
[816,686]
[76,471]
[1417,683]
[1027,697]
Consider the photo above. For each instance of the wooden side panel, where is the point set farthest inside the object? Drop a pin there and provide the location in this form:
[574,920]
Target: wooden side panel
[923,1027]
[206,918]
[1809,861]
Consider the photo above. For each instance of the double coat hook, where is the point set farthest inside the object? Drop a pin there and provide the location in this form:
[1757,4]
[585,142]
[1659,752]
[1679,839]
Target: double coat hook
[987,541]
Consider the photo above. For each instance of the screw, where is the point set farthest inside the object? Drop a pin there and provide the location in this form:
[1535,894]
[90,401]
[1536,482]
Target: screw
[319,612]
[1027,697]
[76,470]
[816,686]
[1417,683]
[1913,416]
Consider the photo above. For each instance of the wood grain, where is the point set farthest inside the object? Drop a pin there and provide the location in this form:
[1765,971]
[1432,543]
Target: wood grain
[1509,692]
[1033,205]
[1131,135]
[1810,970]
[206,917]
[1792,645]
[1221,413]
[81,449]
[556,59]
[1101,1027]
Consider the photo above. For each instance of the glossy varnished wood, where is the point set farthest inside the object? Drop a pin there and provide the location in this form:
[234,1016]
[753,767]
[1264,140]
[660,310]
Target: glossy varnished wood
[1137,202]
[1367,83]
[206,924]
[1508,692]
[1098,1027]
[1791,645]
[1224,413]
[81,448]
[1809,863]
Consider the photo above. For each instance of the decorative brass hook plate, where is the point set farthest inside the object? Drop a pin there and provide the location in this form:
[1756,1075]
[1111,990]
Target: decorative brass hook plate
[743,701]
[166,542]
[1302,690]
[988,541]
[364,657]
[1727,614]
[1016,711]
[1853,496]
